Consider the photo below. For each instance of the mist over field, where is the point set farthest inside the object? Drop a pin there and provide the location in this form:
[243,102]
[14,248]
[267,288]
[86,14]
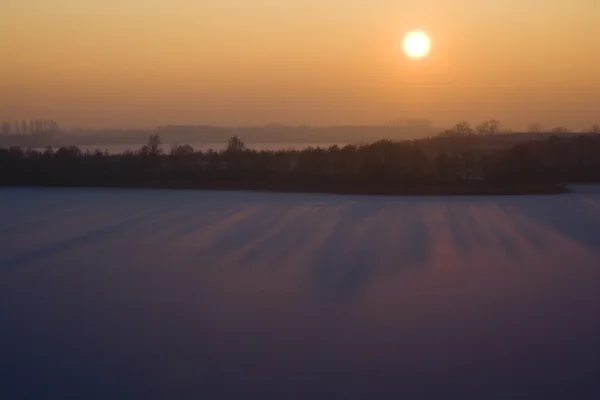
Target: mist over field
[155,294]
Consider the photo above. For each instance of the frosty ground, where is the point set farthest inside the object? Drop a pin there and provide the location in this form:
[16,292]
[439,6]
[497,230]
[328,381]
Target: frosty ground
[192,294]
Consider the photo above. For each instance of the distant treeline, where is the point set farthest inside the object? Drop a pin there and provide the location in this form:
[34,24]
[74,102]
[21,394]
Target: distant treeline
[25,137]
[454,162]
[41,133]
[28,127]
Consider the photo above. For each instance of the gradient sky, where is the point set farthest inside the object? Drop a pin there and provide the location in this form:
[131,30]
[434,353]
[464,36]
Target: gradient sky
[232,62]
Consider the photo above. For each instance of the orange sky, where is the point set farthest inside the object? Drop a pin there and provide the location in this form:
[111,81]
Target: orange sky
[233,62]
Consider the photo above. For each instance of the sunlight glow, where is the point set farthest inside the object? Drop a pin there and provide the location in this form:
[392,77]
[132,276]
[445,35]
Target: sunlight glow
[416,44]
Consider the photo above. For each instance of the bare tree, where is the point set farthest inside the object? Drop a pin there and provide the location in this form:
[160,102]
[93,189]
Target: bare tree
[482,128]
[463,128]
[490,127]
[235,145]
[534,128]
[154,144]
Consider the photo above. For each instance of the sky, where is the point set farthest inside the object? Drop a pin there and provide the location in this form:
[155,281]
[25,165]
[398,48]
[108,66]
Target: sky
[140,63]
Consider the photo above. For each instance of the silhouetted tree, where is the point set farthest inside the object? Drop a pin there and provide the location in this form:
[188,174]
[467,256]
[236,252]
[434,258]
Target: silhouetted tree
[154,145]
[534,128]
[68,152]
[178,150]
[490,127]
[235,145]
[463,128]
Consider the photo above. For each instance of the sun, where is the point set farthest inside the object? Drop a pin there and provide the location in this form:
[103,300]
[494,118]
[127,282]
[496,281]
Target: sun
[416,44]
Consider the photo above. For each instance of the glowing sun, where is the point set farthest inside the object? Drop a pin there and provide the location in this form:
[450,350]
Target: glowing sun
[416,44]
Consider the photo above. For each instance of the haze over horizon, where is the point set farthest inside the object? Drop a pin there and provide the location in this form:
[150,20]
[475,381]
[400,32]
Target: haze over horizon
[133,63]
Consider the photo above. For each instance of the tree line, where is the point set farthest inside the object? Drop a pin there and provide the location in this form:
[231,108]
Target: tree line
[32,126]
[454,162]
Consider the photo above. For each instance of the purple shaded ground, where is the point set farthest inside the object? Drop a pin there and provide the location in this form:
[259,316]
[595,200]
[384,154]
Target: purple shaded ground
[183,294]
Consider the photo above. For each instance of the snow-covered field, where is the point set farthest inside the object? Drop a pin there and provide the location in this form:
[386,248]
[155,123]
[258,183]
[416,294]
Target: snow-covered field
[115,294]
